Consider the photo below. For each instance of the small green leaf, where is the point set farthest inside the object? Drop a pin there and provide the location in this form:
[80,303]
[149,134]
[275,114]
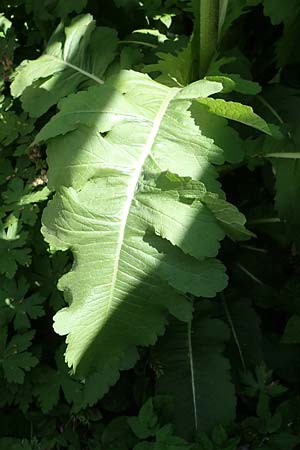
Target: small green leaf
[284,441]
[118,435]
[146,423]
[14,358]
[175,70]
[237,112]
[17,305]
[291,333]
[12,251]
[13,126]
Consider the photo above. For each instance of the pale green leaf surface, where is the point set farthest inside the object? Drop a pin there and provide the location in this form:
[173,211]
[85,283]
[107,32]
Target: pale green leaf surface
[201,88]
[35,196]
[217,128]
[131,239]
[229,217]
[106,108]
[237,112]
[19,193]
[79,54]
[158,211]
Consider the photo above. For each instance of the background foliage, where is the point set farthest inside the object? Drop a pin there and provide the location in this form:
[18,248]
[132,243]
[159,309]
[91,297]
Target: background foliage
[246,340]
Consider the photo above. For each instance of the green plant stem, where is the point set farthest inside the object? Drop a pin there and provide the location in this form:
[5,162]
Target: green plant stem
[288,155]
[146,44]
[273,111]
[78,69]
[264,220]
[254,249]
[234,335]
[191,360]
[222,15]
[250,275]
[270,108]
[209,26]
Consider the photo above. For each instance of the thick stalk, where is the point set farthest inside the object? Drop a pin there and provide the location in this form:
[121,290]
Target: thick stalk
[209,30]
[223,5]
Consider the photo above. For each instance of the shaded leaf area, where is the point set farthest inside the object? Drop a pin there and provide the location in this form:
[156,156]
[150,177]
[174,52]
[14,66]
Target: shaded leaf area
[15,359]
[284,154]
[196,375]
[18,306]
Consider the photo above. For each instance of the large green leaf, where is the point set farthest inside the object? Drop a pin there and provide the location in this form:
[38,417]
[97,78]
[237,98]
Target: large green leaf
[197,375]
[140,235]
[74,55]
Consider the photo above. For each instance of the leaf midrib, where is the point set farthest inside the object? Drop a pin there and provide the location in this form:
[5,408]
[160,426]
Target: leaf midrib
[192,369]
[132,187]
[77,69]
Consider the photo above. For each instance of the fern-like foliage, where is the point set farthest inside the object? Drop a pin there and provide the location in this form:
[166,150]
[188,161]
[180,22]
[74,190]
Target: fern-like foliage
[131,170]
